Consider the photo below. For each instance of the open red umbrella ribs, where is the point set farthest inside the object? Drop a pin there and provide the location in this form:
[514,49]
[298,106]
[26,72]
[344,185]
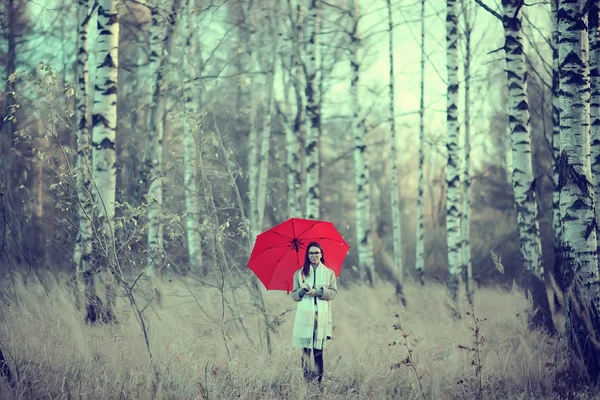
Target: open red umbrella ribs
[279,251]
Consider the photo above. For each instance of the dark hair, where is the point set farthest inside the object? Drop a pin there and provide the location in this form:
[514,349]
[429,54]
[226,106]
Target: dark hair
[306,267]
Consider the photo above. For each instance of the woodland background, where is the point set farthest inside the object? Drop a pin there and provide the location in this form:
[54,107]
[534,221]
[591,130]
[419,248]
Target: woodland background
[204,334]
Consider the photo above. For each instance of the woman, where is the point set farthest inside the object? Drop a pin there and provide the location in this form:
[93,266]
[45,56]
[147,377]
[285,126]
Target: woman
[314,287]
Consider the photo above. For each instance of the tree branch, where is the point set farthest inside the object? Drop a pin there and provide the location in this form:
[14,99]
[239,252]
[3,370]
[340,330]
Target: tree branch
[488,9]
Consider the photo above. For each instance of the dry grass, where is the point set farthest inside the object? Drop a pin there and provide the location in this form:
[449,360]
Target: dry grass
[57,356]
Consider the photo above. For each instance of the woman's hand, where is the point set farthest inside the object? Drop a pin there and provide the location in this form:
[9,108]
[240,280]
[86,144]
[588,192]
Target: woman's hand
[312,292]
[304,287]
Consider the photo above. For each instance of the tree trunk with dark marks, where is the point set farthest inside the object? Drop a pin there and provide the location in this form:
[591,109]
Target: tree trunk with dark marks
[522,167]
[313,112]
[192,104]
[420,241]
[395,186]
[104,126]
[580,274]
[453,206]
[161,46]
[594,44]
[556,226]
[465,225]
[364,241]
[82,253]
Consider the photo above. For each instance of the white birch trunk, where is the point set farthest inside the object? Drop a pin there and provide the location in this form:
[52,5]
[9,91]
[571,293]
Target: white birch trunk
[556,225]
[361,171]
[395,186]
[104,119]
[82,253]
[154,134]
[453,216]
[580,269]
[255,97]
[269,107]
[420,246]
[158,59]
[522,171]
[465,225]
[292,136]
[104,157]
[190,157]
[594,55]
[312,144]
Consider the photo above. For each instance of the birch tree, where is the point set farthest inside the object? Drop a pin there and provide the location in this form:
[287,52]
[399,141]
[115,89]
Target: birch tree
[82,254]
[259,147]
[556,226]
[361,171]
[395,187]
[453,217]
[255,96]
[190,156]
[104,119]
[161,44]
[104,124]
[313,113]
[292,136]
[522,171]
[419,244]
[466,195]
[268,107]
[594,56]
[580,269]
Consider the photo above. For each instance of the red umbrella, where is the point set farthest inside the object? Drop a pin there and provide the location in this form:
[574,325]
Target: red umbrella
[279,252]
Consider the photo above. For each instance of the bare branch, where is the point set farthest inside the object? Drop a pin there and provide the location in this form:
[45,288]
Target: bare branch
[488,9]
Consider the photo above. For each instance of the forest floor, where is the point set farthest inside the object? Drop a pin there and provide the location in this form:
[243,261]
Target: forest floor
[201,351]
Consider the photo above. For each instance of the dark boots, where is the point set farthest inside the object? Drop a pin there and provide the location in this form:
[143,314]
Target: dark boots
[309,374]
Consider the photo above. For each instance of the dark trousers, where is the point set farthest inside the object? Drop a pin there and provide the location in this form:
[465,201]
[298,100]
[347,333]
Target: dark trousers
[309,374]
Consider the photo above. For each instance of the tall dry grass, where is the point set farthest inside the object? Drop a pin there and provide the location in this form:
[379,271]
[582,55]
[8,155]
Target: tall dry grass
[54,355]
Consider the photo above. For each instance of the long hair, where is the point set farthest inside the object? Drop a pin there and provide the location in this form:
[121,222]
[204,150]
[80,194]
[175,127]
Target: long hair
[306,267]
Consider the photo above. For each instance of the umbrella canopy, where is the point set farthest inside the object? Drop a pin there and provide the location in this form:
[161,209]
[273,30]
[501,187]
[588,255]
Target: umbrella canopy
[279,252]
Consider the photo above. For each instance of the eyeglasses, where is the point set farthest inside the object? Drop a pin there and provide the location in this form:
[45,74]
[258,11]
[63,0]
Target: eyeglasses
[311,253]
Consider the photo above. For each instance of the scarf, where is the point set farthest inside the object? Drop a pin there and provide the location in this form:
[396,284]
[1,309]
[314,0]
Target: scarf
[305,333]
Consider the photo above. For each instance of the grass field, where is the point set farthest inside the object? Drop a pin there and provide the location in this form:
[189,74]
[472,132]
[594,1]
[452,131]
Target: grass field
[54,355]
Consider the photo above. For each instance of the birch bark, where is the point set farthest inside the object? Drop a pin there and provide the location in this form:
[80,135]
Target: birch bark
[161,46]
[594,56]
[556,225]
[420,246]
[253,164]
[104,125]
[361,171]
[580,262]
[453,216]
[190,157]
[104,118]
[522,171]
[293,136]
[269,107]
[313,114]
[82,253]
[466,179]
[395,186]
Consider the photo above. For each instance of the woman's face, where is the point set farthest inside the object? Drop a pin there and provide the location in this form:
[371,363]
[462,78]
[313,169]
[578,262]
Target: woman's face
[314,255]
